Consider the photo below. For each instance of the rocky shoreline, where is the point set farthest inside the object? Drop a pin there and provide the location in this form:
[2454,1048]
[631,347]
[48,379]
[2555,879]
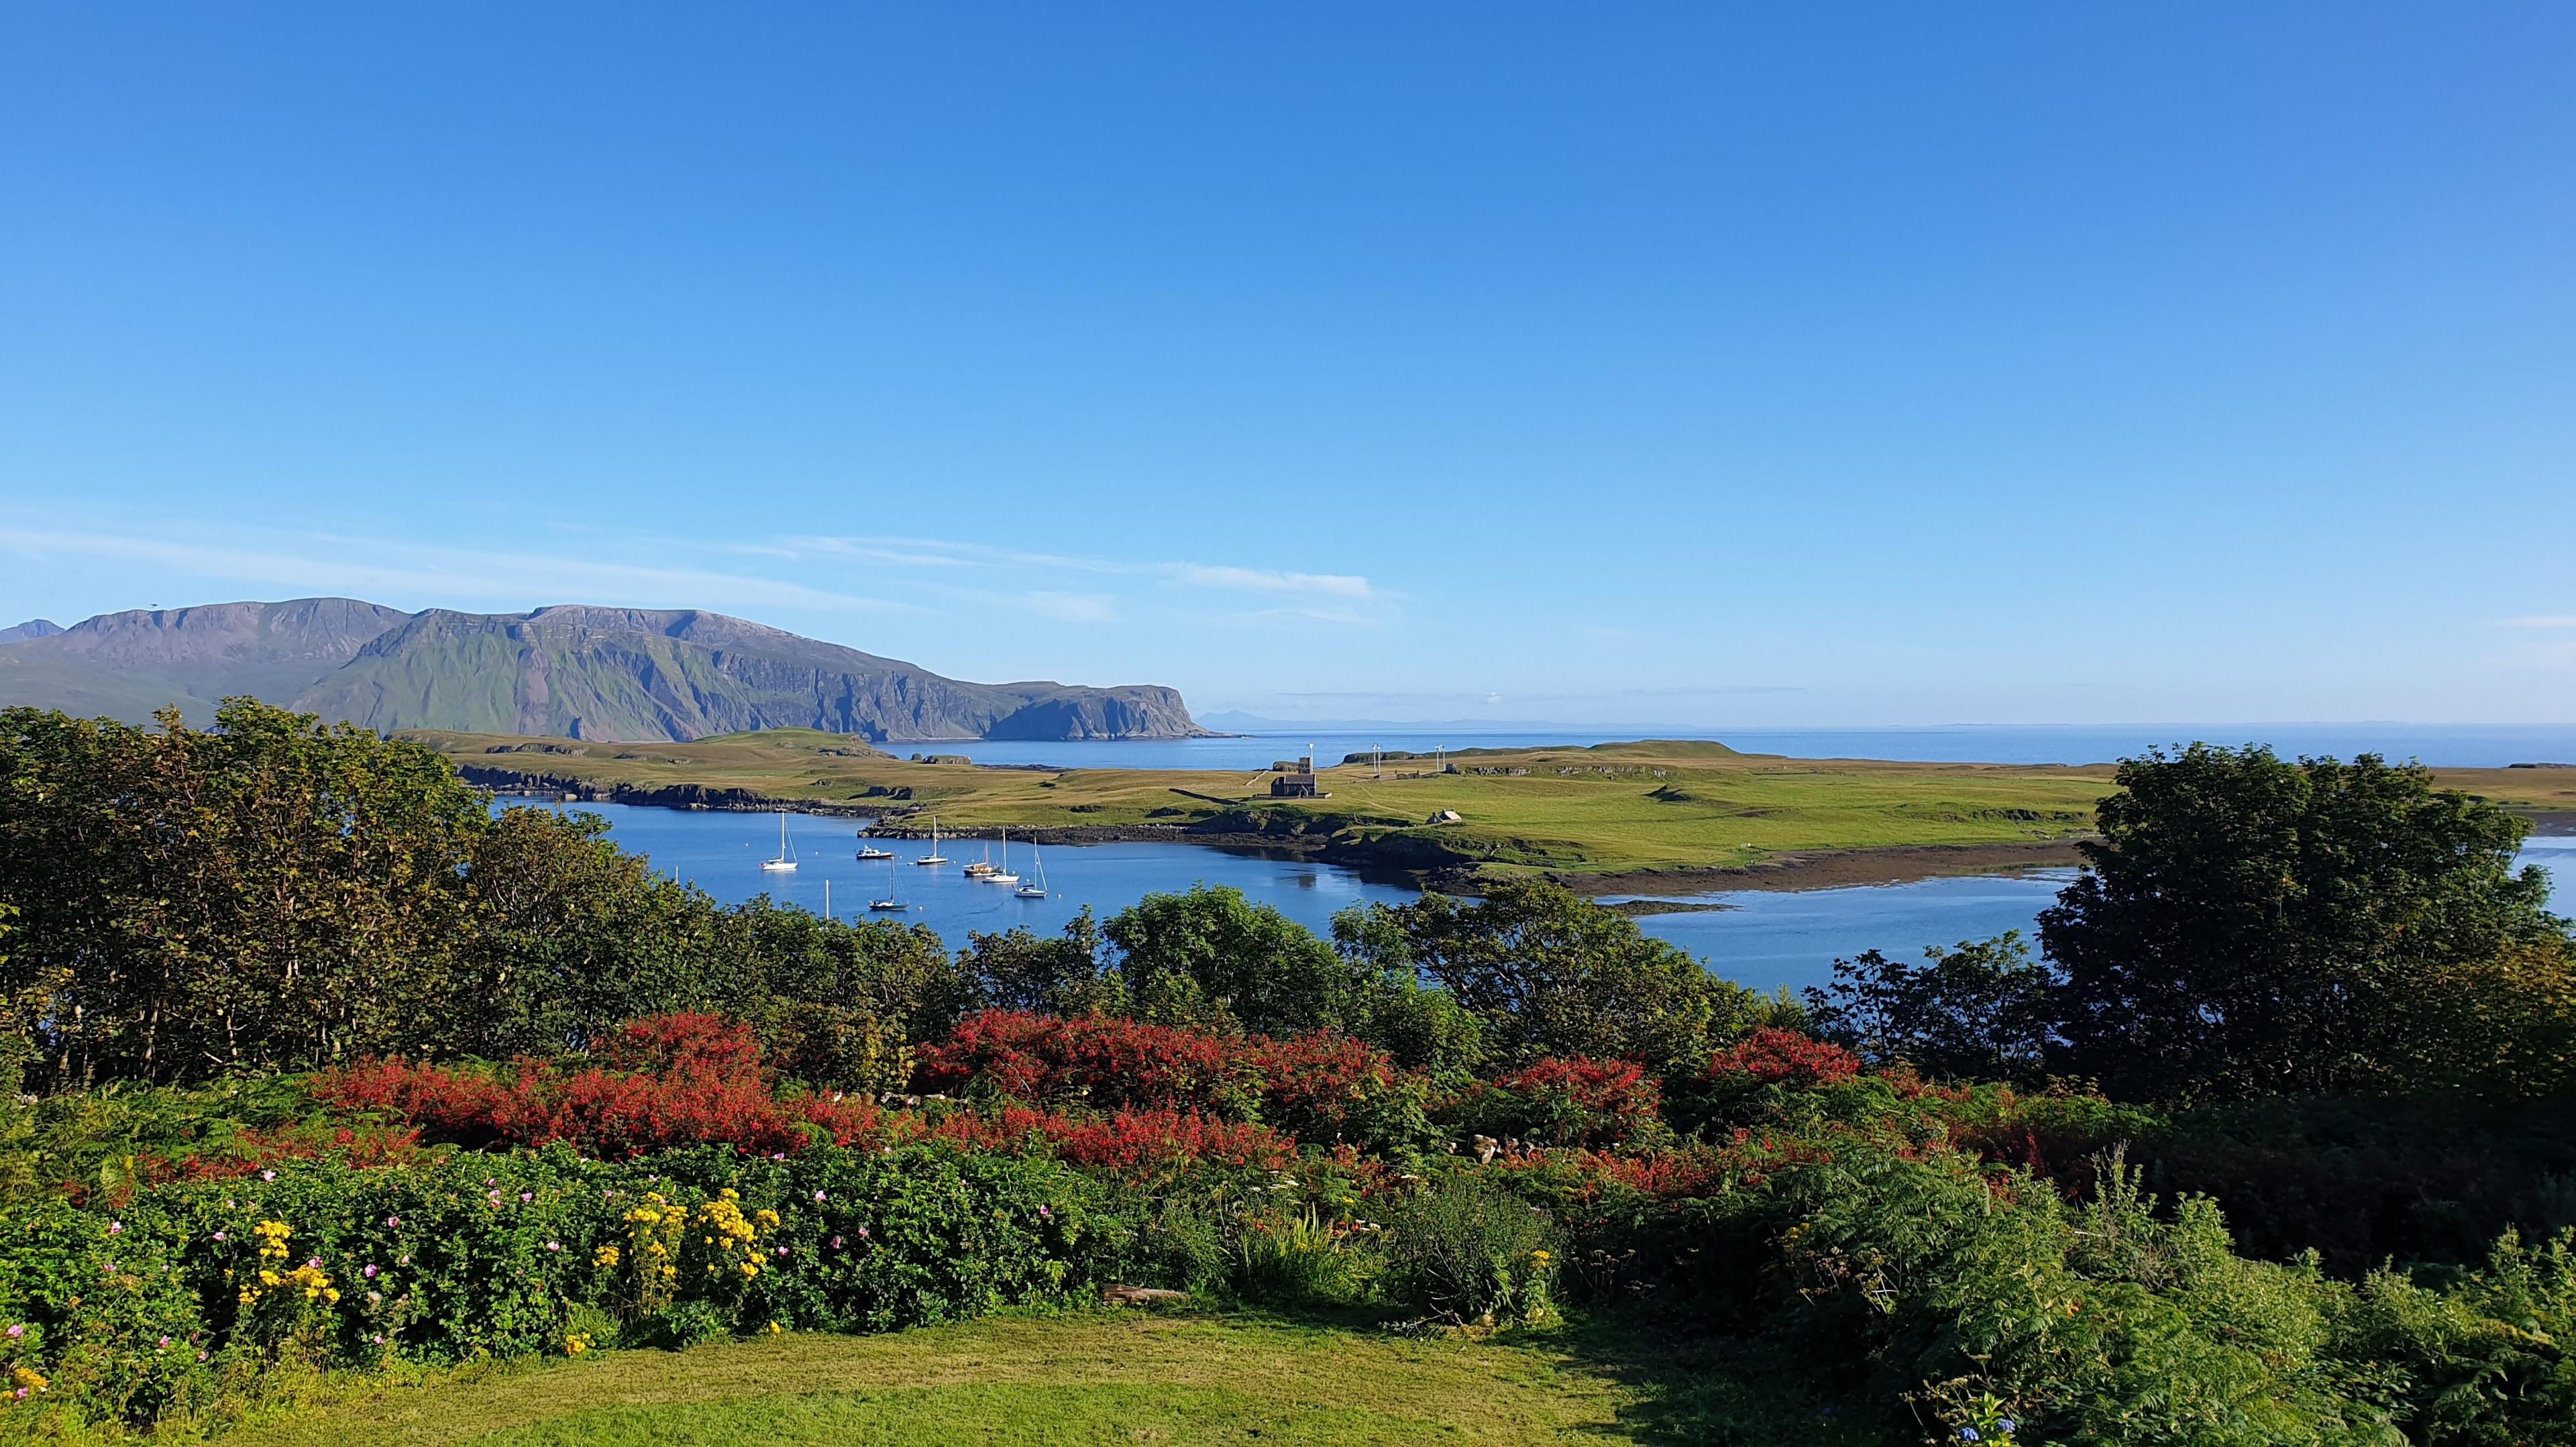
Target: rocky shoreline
[1836,868]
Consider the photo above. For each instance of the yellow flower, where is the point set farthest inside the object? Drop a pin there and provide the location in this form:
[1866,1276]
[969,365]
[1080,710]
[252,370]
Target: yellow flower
[774,1328]
[607,1256]
[1541,1257]
[29,1379]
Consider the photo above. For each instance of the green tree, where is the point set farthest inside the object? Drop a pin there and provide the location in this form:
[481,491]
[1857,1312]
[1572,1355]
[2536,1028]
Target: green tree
[1422,1026]
[2249,925]
[1980,1011]
[275,893]
[269,890]
[1545,972]
[1212,954]
[1016,969]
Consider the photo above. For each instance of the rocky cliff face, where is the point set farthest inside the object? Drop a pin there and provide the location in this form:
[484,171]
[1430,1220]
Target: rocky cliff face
[581,672]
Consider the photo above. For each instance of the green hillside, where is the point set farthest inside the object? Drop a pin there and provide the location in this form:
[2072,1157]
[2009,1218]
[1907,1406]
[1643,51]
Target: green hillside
[581,672]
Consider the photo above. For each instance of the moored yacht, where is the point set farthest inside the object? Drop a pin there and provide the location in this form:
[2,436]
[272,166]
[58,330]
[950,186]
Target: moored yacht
[786,859]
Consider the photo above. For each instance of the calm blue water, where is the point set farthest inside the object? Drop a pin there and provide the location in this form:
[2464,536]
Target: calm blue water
[721,854]
[1768,940]
[2455,746]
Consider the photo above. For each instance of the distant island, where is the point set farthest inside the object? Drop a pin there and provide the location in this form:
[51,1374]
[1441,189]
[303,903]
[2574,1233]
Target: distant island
[603,674]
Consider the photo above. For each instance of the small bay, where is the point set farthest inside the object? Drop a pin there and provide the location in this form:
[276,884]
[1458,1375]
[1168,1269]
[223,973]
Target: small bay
[1764,938]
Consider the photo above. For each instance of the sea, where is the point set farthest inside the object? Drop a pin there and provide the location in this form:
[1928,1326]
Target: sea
[2460,746]
[1765,939]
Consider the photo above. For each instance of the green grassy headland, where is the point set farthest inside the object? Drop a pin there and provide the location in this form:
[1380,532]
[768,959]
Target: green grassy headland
[1624,811]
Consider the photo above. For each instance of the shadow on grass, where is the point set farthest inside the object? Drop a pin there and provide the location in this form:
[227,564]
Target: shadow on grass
[1690,1386]
[1684,1385]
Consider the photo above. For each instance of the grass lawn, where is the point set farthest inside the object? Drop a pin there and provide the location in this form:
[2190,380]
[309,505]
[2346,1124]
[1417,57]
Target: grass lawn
[1106,1377]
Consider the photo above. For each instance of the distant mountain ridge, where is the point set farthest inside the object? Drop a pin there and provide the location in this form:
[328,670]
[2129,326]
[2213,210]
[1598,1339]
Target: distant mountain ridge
[614,674]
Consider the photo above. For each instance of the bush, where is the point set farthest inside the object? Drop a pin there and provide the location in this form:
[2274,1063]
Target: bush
[1098,1061]
[196,1288]
[680,1080]
[1563,1102]
[1464,1250]
[1321,1087]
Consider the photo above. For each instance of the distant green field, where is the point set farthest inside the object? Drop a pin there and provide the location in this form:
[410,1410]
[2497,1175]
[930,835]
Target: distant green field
[1085,1379]
[1609,809]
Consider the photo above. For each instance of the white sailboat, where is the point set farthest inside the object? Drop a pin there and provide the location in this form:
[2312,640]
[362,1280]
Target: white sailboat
[1003,875]
[786,860]
[870,851]
[1039,889]
[890,903]
[934,857]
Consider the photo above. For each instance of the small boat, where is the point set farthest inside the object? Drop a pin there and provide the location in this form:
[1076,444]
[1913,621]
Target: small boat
[982,868]
[786,859]
[1003,875]
[889,904]
[1039,889]
[870,851]
[934,856]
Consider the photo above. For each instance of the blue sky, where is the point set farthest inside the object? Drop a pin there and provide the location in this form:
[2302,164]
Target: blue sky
[1878,364]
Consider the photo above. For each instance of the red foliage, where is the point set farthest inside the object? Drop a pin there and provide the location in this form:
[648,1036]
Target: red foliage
[696,1079]
[687,1080]
[1564,1101]
[1784,1057]
[1135,1143]
[1144,1142]
[1107,1062]
[685,1041]
[1309,1084]
[1617,1088]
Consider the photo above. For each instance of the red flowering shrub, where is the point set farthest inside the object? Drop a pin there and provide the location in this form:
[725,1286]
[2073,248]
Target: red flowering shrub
[1573,1101]
[1784,1057]
[684,1041]
[1135,1143]
[1321,1087]
[1102,1061]
[1325,1087]
[683,1079]
[1142,1143]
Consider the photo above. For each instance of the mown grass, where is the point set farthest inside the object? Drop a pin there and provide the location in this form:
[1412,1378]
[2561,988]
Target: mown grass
[1613,808]
[1103,1377]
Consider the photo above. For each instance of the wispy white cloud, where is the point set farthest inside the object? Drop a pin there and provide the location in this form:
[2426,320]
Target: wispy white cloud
[942,553]
[368,567]
[1346,617]
[1263,580]
[1076,607]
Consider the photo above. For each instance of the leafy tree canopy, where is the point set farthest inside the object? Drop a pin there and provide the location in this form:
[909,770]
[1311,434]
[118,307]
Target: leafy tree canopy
[1546,972]
[1980,1011]
[2251,925]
